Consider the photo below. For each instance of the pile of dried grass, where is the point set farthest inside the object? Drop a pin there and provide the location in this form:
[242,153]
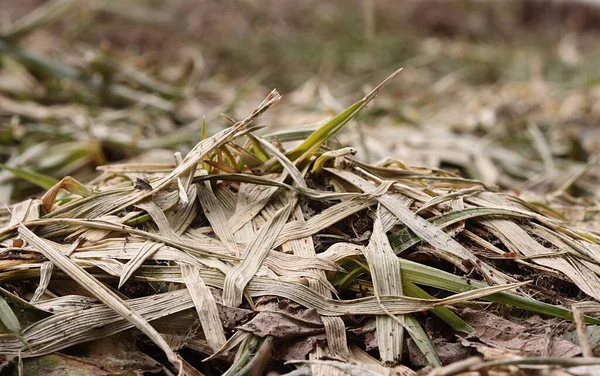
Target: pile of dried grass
[251,247]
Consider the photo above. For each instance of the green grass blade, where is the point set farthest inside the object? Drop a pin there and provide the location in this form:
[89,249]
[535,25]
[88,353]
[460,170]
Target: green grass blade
[422,340]
[449,317]
[428,276]
[8,317]
[322,134]
[419,274]
[317,138]
[41,180]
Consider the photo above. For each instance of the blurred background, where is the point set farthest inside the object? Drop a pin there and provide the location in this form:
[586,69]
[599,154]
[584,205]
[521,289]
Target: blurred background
[502,91]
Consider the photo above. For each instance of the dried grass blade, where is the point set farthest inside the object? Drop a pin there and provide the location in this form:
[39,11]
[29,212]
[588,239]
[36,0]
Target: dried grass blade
[251,200]
[45,274]
[186,246]
[226,197]
[478,293]
[181,219]
[254,255]
[137,168]
[160,219]
[385,273]
[319,369]
[405,238]
[347,368]
[67,183]
[217,217]
[78,325]
[145,251]
[65,303]
[435,201]
[19,212]
[362,357]
[233,341]
[285,162]
[206,307]
[264,180]
[183,181]
[100,291]
[398,305]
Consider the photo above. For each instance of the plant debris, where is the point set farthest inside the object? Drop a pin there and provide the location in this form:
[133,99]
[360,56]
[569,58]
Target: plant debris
[228,245]
[110,234]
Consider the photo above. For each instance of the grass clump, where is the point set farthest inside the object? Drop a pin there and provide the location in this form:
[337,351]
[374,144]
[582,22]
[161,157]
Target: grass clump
[241,236]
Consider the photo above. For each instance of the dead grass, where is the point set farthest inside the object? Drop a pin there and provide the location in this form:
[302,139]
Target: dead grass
[280,249]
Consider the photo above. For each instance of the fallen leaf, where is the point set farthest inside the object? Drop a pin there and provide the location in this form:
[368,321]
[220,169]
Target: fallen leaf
[497,332]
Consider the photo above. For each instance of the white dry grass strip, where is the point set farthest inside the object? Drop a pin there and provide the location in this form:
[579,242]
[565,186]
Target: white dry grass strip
[346,368]
[217,217]
[100,224]
[339,251]
[363,358]
[314,194]
[236,339]
[181,218]
[45,274]
[65,303]
[301,294]
[129,249]
[206,307]
[124,249]
[398,305]
[145,251]
[70,326]
[579,309]
[251,200]
[100,291]
[160,219]
[227,198]
[285,162]
[137,168]
[19,212]
[384,266]
[437,200]
[253,257]
[183,181]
